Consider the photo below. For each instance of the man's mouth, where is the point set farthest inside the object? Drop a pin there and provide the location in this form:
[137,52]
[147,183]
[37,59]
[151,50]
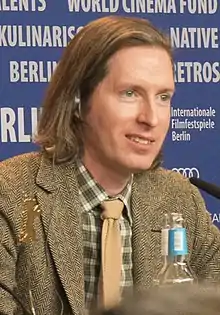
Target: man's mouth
[141,140]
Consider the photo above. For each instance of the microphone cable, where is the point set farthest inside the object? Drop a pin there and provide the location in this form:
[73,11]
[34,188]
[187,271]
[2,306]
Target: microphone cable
[16,298]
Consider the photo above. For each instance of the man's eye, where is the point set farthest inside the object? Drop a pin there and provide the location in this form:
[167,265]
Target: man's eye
[129,93]
[165,97]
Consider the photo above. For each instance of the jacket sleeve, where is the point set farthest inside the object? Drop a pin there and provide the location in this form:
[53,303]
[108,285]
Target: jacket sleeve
[8,252]
[205,257]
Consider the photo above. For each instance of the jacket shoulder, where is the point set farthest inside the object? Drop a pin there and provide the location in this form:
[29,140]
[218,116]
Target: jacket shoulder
[165,179]
[170,185]
[16,169]
[177,184]
[174,179]
[17,180]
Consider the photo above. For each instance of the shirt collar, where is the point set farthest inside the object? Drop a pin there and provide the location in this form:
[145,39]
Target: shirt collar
[92,194]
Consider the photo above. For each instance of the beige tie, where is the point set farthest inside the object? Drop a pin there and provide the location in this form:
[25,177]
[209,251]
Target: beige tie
[110,275]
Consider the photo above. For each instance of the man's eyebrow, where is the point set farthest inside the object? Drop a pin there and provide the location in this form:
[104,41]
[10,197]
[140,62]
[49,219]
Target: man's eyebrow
[167,90]
[160,89]
[170,90]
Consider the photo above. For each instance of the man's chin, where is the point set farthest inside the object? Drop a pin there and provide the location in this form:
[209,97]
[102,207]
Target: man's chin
[139,168]
[150,163]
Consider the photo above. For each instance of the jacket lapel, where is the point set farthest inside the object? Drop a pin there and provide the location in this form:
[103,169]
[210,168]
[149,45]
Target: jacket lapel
[62,223]
[147,210]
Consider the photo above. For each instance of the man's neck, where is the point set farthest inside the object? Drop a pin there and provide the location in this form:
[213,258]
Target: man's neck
[110,180]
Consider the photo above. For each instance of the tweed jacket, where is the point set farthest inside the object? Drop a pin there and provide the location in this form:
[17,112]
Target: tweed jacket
[51,268]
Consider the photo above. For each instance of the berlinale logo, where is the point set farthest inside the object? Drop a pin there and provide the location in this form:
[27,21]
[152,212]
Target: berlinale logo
[187,171]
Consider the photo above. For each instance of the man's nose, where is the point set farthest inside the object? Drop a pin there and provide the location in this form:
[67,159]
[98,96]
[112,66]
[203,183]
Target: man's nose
[148,114]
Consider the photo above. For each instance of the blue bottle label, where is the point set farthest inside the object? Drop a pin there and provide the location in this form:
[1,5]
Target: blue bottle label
[177,242]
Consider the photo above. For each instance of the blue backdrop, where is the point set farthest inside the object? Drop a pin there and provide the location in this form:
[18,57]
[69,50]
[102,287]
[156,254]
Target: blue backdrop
[33,34]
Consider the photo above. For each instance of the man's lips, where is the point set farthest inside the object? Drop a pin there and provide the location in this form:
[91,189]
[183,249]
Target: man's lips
[141,139]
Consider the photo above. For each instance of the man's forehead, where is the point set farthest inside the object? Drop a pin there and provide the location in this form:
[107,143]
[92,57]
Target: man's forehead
[140,74]
[140,60]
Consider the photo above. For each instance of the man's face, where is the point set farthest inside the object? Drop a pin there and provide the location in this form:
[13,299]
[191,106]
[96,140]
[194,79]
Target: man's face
[129,111]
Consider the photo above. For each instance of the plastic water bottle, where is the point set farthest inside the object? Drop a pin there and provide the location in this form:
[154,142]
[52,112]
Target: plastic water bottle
[175,269]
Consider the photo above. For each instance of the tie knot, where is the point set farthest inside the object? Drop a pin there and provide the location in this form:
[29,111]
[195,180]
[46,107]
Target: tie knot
[112,209]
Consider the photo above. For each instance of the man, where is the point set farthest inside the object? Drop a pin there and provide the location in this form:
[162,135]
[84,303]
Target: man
[104,120]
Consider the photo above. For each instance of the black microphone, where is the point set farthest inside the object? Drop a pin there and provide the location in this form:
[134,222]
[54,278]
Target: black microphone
[211,189]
